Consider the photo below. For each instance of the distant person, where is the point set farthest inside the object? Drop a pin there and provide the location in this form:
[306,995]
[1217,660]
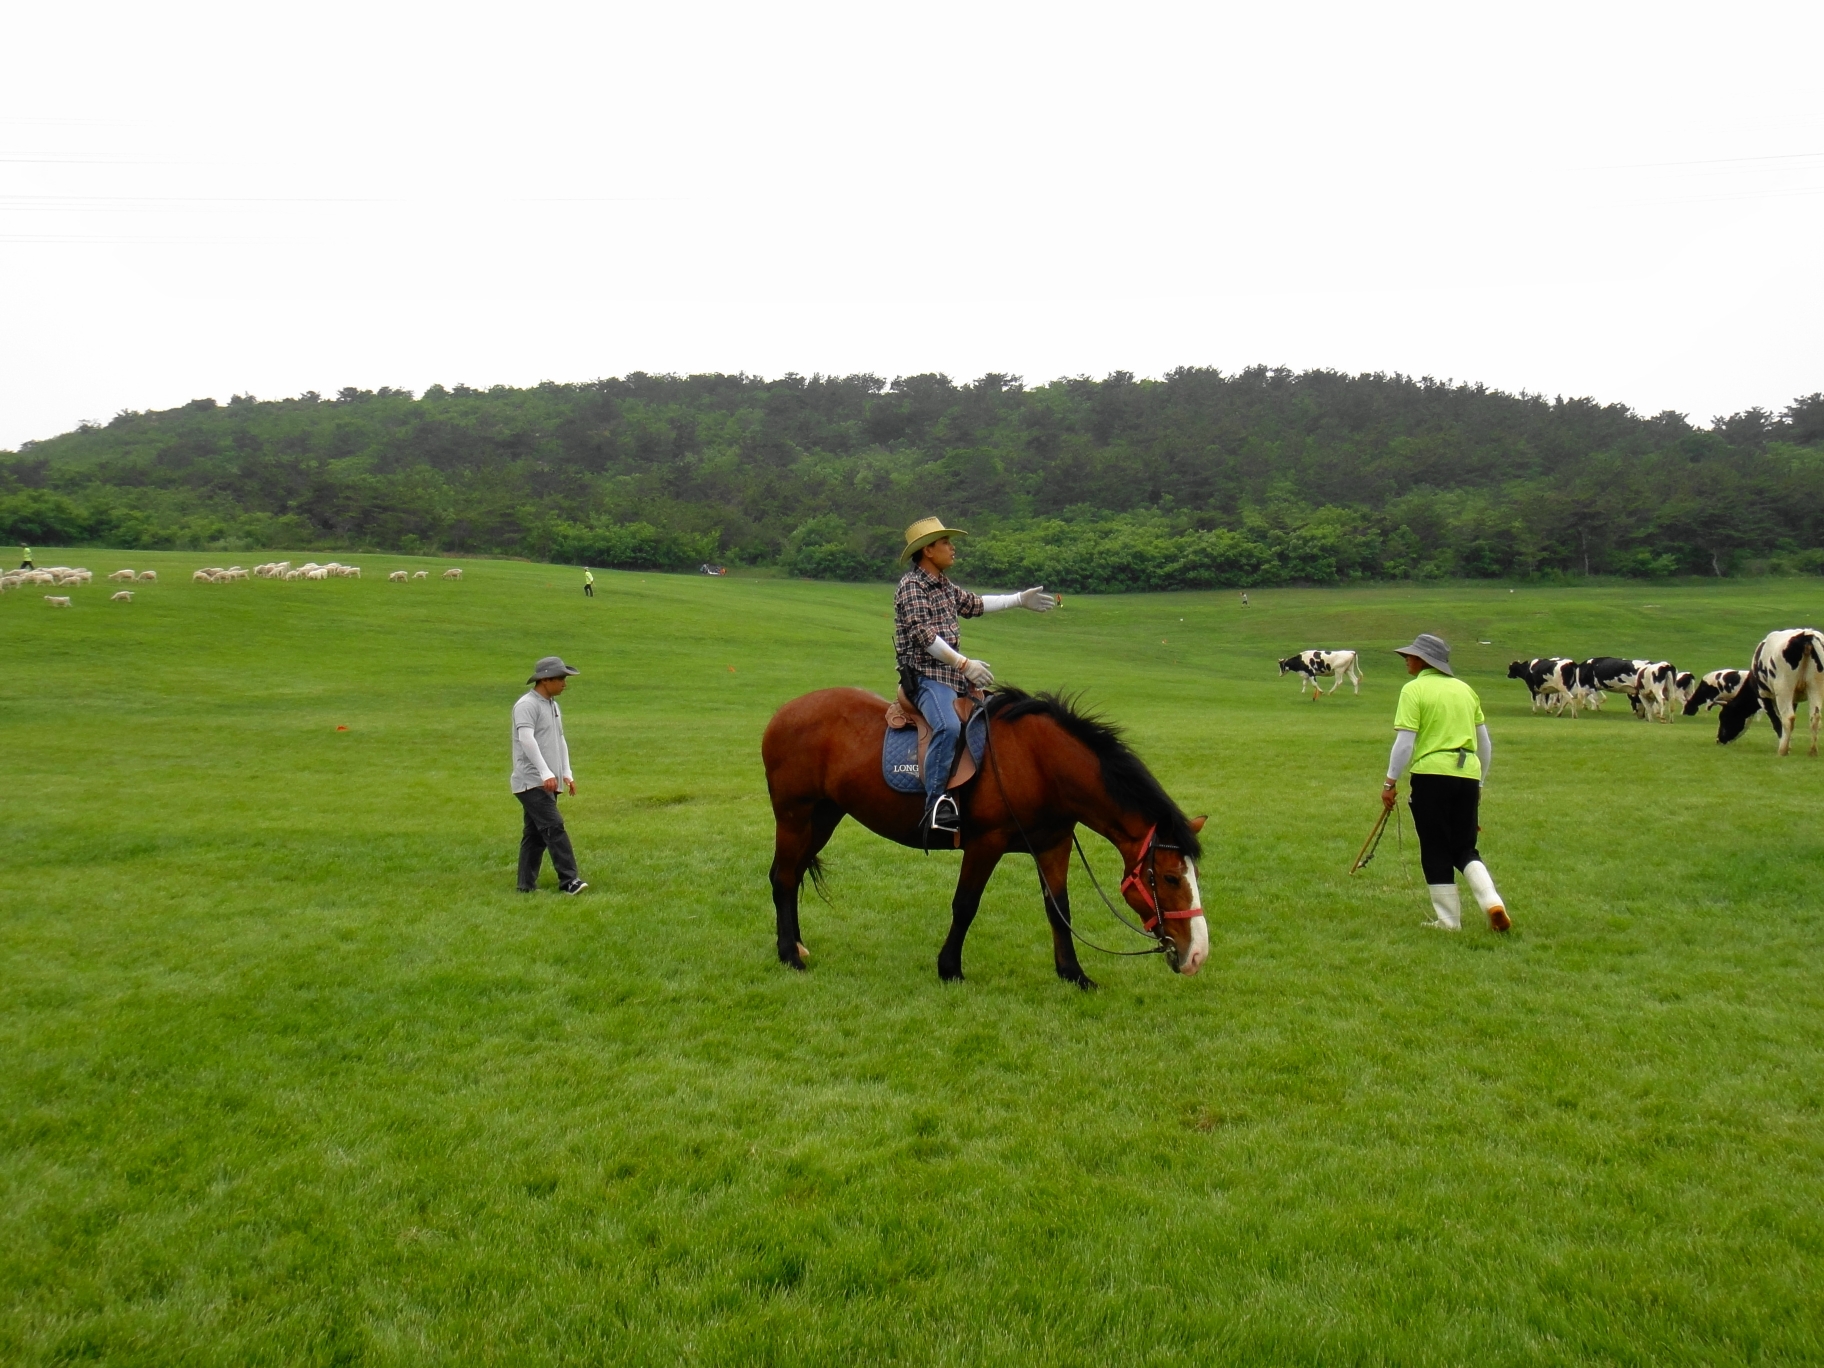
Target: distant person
[25,558]
[588,582]
[1244,599]
[1438,730]
[541,760]
[933,673]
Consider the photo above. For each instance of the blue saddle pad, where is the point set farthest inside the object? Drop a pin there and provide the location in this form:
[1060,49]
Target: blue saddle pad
[899,752]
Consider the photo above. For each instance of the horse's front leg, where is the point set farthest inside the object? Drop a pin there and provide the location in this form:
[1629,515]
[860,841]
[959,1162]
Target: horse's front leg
[979,859]
[1054,887]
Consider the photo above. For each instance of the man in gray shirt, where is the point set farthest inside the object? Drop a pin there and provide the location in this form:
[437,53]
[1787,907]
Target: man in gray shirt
[541,760]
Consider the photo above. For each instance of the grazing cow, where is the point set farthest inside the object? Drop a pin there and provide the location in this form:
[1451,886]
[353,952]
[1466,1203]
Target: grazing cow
[1548,680]
[62,601]
[1310,666]
[1652,695]
[1786,664]
[1714,690]
[1612,674]
[457,574]
[399,575]
[122,596]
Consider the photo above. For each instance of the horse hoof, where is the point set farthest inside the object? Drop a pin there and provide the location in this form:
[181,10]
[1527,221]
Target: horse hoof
[793,960]
[949,973]
[1078,977]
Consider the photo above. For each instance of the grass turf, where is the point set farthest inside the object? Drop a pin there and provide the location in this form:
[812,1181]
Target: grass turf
[293,1075]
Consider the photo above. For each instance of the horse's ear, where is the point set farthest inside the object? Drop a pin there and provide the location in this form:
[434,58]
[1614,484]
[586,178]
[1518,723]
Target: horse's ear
[1197,823]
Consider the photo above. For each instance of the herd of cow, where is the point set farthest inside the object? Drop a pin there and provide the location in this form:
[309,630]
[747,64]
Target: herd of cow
[1654,688]
[1787,665]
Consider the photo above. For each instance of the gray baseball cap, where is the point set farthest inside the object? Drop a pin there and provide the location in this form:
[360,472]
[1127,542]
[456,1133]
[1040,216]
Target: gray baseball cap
[1433,650]
[550,668]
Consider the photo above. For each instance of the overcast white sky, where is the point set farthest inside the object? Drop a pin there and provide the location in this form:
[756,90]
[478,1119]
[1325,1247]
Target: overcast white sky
[1624,201]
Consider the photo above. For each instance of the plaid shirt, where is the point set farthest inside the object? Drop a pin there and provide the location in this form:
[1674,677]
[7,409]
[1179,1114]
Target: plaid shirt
[926,607]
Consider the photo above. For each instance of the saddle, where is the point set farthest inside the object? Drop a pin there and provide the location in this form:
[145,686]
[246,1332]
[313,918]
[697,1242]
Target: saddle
[908,736]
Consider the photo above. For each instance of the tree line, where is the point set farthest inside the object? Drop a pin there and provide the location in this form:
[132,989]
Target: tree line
[1193,480]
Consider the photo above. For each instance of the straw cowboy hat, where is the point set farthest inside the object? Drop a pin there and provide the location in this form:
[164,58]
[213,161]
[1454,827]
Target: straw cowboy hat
[925,531]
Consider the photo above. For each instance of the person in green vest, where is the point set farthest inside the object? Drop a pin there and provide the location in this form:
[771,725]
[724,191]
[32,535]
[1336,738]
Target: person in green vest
[25,558]
[588,582]
[1439,731]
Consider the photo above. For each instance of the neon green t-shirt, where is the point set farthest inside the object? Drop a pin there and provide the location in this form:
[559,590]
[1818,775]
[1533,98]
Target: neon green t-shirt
[1445,713]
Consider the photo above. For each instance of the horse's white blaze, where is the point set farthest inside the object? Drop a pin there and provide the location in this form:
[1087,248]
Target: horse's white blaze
[1200,929]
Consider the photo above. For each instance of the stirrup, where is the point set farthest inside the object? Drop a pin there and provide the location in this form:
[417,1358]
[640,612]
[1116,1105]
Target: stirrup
[944,815]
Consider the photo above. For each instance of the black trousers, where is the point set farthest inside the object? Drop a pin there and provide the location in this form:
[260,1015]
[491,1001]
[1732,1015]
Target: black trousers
[1445,813]
[544,830]
[588,591]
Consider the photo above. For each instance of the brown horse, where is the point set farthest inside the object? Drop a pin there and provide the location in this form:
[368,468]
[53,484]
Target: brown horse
[1046,769]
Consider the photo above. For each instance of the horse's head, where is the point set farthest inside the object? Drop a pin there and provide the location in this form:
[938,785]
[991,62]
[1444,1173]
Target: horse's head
[1162,888]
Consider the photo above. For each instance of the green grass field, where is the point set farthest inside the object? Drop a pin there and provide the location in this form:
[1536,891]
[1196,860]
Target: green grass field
[293,1075]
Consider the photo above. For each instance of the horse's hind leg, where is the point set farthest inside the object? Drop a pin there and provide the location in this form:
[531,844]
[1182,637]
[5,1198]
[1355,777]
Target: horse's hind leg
[1054,879]
[798,834]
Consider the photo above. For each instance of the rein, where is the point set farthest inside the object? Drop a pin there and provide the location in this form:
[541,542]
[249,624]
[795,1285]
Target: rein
[1152,928]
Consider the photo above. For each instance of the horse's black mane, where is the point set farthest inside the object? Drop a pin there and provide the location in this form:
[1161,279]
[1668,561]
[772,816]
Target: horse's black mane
[1129,782]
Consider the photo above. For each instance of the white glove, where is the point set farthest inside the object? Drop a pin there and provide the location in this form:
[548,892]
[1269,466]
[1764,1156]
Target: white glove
[1038,600]
[939,649]
[978,673]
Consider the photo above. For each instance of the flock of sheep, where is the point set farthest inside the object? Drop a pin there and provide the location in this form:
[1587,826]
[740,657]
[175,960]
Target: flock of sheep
[59,576]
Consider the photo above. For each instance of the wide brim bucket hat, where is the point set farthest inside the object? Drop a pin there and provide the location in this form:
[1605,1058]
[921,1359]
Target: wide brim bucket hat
[925,531]
[550,668]
[1433,650]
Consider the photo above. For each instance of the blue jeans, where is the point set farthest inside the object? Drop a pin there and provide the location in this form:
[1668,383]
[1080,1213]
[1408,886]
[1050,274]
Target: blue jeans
[937,701]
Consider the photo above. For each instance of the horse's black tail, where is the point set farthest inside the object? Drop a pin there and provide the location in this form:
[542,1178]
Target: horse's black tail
[817,878]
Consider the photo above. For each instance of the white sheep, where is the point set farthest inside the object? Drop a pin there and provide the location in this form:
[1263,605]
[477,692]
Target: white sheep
[292,575]
[57,600]
[121,575]
[452,574]
[148,577]
[201,576]
[123,596]
[399,575]
[421,574]
[318,573]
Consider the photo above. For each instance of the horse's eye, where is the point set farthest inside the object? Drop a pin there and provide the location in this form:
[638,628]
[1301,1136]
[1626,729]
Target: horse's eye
[1173,880]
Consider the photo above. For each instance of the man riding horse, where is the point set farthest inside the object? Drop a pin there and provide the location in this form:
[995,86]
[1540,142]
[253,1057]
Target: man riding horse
[933,672]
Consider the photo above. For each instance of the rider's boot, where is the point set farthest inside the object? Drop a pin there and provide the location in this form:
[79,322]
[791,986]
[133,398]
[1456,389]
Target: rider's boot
[943,814]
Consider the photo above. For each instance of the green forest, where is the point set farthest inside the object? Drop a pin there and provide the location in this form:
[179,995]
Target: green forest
[1201,478]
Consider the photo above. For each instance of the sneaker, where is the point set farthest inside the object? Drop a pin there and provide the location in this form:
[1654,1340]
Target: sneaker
[1435,925]
[944,815]
[574,886]
[1498,918]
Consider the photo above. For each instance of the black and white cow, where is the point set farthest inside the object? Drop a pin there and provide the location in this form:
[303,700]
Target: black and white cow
[1786,664]
[1550,679]
[1714,690]
[1644,682]
[1311,666]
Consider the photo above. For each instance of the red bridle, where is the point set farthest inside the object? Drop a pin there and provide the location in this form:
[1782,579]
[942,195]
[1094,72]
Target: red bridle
[1148,888]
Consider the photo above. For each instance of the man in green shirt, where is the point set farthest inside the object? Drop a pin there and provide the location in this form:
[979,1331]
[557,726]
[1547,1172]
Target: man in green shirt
[588,582]
[1438,730]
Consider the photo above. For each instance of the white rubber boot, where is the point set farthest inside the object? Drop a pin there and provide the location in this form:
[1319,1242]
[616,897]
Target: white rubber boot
[1482,884]
[1447,907]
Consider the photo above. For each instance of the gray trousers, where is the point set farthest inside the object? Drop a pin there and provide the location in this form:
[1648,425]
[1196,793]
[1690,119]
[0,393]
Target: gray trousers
[544,830]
